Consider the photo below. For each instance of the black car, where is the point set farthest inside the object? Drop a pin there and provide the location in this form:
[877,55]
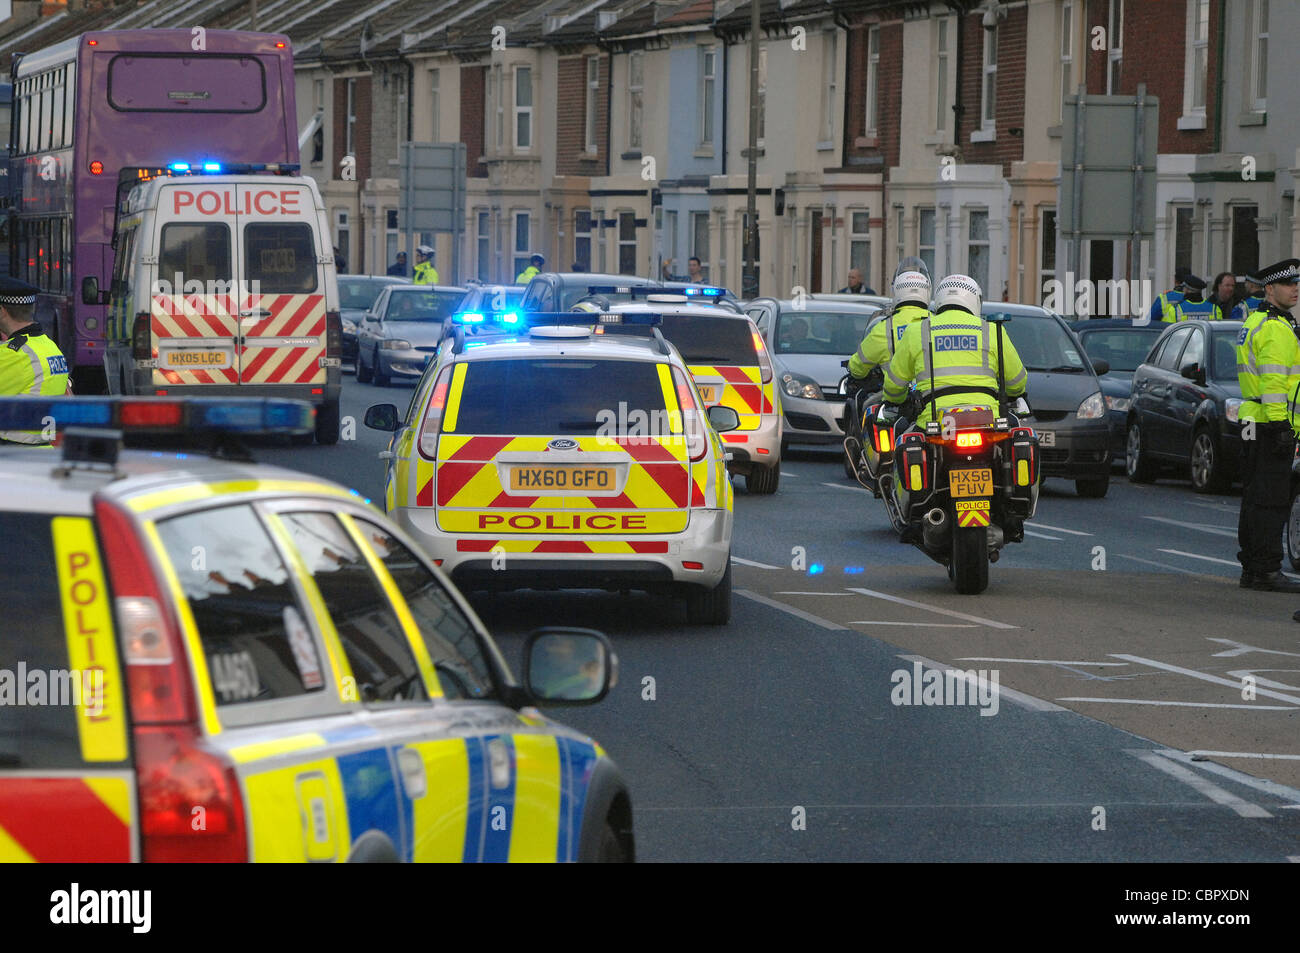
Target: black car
[356,294]
[1183,408]
[560,291]
[1123,344]
[1064,394]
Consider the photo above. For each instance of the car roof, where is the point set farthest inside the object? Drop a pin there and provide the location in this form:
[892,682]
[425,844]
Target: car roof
[622,347]
[1018,310]
[413,288]
[676,307]
[585,278]
[1112,324]
[824,306]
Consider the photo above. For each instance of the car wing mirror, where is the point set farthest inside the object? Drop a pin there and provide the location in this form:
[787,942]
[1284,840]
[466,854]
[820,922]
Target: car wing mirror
[1193,372]
[568,666]
[1100,365]
[723,418]
[383,417]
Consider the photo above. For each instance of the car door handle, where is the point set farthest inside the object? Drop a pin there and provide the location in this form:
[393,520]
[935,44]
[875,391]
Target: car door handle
[255,313]
[414,779]
[387,455]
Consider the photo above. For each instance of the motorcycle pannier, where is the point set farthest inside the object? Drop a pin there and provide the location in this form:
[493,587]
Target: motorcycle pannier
[913,459]
[1024,460]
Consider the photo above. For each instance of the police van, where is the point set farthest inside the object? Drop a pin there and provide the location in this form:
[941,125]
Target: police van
[224,283]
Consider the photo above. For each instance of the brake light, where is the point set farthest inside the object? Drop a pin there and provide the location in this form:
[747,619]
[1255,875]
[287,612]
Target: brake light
[970,440]
[764,361]
[430,428]
[884,439]
[697,441]
[333,334]
[142,337]
[157,675]
[190,806]
[96,167]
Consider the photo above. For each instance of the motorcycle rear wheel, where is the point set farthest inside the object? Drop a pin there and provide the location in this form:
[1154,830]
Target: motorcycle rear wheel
[970,559]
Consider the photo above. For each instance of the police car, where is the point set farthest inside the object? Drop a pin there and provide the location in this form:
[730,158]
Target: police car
[211,660]
[576,455]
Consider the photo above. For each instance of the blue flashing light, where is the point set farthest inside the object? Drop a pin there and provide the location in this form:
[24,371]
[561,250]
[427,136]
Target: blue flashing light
[150,414]
[469,317]
[854,570]
[509,317]
[815,569]
[179,167]
[212,167]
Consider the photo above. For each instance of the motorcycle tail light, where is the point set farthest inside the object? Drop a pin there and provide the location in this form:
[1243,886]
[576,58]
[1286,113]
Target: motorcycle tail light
[971,440]
[884,439]
[914,462]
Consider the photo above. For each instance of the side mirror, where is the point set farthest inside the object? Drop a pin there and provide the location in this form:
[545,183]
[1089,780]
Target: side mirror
[383,417]
[1193,372]
[567,666]
[1101,365]
[723,419]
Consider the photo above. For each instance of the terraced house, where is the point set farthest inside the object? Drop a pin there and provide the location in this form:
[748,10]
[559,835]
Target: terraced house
[612,135]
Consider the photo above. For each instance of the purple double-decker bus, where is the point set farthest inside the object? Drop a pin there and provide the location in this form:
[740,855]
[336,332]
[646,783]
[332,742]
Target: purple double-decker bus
[95,114]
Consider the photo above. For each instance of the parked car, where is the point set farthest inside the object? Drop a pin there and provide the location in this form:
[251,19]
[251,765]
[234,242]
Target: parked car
[400,334]
[1064,394]
[1123,345]
[560,291]
[808,340]
[1183,409]
[357,294]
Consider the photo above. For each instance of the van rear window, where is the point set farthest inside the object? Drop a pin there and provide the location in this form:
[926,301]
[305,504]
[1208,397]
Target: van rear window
[555,398]
[39,687]
[711,340]
[169,83]
[280,257]
[195,252]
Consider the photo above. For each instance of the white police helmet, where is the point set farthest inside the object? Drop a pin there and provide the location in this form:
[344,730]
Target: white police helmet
[912,263]
[912,286]
[961,291]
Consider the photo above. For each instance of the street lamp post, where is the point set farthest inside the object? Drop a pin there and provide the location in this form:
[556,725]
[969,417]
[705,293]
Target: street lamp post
[750,280]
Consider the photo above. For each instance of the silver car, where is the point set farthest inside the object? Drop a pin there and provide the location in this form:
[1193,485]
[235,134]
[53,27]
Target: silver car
[399,335]
[808,339]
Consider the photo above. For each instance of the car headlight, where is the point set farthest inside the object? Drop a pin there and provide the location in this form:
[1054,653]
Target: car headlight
[349,326]
[796,385]
[1117,403]
[395,344]
[1231,408]
[1093,408]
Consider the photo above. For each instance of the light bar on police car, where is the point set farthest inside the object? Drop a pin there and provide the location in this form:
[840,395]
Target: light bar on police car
[639,319]
[159,415]
[646,290]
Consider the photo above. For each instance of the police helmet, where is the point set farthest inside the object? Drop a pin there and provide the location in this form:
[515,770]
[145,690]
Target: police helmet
[912,286]
[958,291]
[424,250]
[912,263]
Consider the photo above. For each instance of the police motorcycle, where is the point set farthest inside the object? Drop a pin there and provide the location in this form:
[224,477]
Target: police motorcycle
[962,487]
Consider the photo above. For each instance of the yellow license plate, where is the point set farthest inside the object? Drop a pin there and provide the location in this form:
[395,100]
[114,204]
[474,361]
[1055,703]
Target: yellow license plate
[971,482]
[197,358]
[708,393]
[581,479]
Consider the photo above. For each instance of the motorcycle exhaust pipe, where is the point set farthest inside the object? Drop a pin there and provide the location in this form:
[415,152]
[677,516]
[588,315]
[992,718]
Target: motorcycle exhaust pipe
[935,530]
[936,517]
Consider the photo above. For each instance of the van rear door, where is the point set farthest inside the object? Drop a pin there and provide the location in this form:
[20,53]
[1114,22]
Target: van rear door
[282,271]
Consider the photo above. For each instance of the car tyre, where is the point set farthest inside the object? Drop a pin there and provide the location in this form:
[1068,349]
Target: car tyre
[1208,468]
[381,379]
[1293,530]
[364,374]
[763,480]
[1137,463]
[611,848]
[1093,489]
[710,606]
[327,423]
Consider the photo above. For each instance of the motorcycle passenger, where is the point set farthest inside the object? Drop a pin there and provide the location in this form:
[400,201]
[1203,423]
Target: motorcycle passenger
[951,357]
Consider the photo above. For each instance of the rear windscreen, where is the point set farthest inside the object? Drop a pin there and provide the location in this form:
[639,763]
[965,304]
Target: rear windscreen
[1122,348]
[432,306]
[706,340]
[280,257]
[555,398]
[195,252]
[1225,355]
[358,294]
[171,83]
[40,683]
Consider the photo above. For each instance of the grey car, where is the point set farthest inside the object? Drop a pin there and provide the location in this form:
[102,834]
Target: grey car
[399,335]
[357,293]
[808,339]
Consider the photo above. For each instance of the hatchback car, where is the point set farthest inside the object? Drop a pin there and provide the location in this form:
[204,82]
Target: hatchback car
[1123,345]
[357,295]
[1064,395]
[1183,410]
[729,362]
[578,455]
[242,663]
[400,334]
[808,340]
[560,291]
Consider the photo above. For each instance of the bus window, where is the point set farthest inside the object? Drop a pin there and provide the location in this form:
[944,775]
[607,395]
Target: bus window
[44,141]
[70,99]
[208,83]
[281,258]
[56,118]
[193,252]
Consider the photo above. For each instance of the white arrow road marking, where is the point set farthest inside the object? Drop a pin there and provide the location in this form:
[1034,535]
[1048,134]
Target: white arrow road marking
[1212,791]
[1242,648]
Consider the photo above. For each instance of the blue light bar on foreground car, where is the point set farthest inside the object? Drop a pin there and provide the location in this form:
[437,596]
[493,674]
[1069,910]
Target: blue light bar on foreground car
[640,319]
[160,415]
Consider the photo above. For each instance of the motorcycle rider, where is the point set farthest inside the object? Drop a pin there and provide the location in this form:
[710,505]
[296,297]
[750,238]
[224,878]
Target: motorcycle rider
[911,304]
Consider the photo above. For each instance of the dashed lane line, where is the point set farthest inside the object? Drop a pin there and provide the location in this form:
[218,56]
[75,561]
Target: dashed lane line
[1199,527]
[814,593]
[791,610]
[841,486]
[991,623]
[750,562]
[1030,532]
[1152,562]
[927,625]
[1203,786]
[1208,559]
[1062,529]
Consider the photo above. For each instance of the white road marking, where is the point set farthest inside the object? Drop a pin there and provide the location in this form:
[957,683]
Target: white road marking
[814,593]
[927,625]
[1145,701]
[1212,791]
[1280,791]
[1010,694]
[1246,754]
[1208,559]
[1266,682]
[1152,562]
[1242,648]
[1205,677]
[750,562]
[787,473]
[1030,532]
[842,486]
[991,623]
[1294,858]
[1039,661]
[1062,529]
[791,610]
[1199,527]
